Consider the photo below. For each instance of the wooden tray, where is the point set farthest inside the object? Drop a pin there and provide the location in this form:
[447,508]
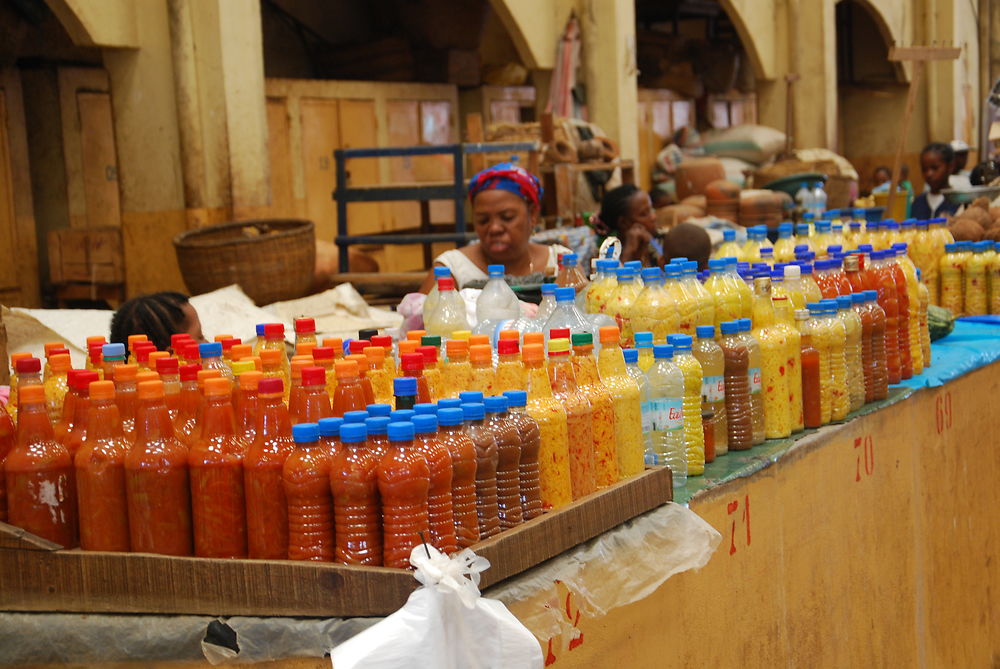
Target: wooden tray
[38,575]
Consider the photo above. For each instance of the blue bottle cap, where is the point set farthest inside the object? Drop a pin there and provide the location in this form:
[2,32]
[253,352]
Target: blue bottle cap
[664,351]
[805,268]
[355,416]
[729,235]
[607,265]
[650,273]
[516,398]
[569,260]
[379,409]
[624,274]
[727,327]
[716,264]
[402,415]
[376,425]
[745,324]
[353,433]
[495,404]
[449,403]
[210,349]
[549,289]
[643,339]
[426,409]
[678,260]
[425,423]
[705,331]
[681,342]
[635,265]
[305,433]
[844,301]
[495,270]
[450,416]
[815,308]
[404,386]
[471,397]
[330,427]
[400,431]
[834,248]
[565,294]
[473,410]
[802,229]
[114,350]
[858,297]
[259,329]
[442,272]
[631,355]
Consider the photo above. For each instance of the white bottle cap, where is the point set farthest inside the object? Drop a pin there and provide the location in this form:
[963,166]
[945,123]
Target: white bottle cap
[792,272]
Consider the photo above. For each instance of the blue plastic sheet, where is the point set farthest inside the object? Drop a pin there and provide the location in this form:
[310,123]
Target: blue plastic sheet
[973,343]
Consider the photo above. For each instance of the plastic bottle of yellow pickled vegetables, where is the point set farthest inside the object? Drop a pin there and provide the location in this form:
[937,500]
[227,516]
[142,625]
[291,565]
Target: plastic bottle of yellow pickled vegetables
[756,238]
[602,287]
[728,306]
[773,357]
[913,298]
[924,301]
[785,323]
[548,412]
[821,341]
[822,238]
[855,365]
[713,385]
[628,410]
[991,260]
[810,289]
[837,234]
[579,418]
[975,280]
[891,233]
[510,373]
[740,287]
[703,299]
[685,304]
[755,380]
[644,347]
[729,246]
[840,401]
[791,286]
[621,303]
[654,310]
[694,433]
[802,236]
[784,248]
[602,403]
[456,374]
[57,384]
[924,254]
[951,279]
[995,281]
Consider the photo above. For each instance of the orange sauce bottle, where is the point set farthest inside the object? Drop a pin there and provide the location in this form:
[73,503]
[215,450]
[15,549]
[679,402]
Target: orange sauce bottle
[452,435]
[364,366]
[218,500]
[306,478]
[378,434]
[169,370]
[141,352]
[7,440]
[337,344]
[404,486]
[385,341]
[100,473]
[349,394]
[588,380]
[314,403]
[81,406]
[412,365]
[132,340]
[579,418]
[508,462]
[378,375]
[527,427]
[294,393]
[247,404]
[276,366]
[325,357]
[510,374]
[356,503]
[483,376]
[188,403]
[62,427]
[440,514]
[888,299]
[124,376]
[456,374]
[267,515]
[41,491]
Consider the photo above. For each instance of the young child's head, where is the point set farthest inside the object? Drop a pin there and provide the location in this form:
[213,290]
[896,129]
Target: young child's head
[881,175]
[687,240]
[936,161]
[157,316]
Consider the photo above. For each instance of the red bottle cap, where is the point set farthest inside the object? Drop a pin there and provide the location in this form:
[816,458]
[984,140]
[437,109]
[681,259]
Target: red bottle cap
[228,344]
[179,339]
[506,346]
[190,372]
[358,346]
[314,376]
[412,362]
[167,365]
[446,283]
[28,366]
[270,386]
[274,330]
[323,353]
[384,341]
[559,333]
[83,378]
[305,325]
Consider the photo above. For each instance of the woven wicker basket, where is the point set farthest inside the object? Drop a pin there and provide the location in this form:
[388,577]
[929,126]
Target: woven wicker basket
[271,260]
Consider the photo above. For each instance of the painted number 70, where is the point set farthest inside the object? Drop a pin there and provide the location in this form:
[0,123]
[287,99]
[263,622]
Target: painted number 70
[866,455]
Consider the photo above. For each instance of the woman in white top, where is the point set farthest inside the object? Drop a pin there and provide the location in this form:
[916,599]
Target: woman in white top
[506,200]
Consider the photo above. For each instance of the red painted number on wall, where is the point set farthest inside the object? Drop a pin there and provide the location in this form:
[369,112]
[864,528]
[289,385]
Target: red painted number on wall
[942,412]
[732,508]
[864,459]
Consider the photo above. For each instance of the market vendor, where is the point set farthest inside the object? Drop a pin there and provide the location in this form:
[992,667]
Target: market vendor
[627,213]
[157,316]
[936,162]
[506,201]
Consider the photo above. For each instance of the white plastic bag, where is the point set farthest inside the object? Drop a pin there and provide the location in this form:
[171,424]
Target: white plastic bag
[445,624]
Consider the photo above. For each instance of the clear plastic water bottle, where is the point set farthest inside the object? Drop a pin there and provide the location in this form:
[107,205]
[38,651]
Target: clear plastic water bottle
[433,297]
[566,315]
[497,302]
[631,356]
[666,411]
[804,197]
[818,199]
[548,303]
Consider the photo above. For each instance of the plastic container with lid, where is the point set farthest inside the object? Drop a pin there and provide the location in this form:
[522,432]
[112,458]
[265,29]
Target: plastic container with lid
[894,272]
[975,280]
[644,346]
[528,467]
[496,302]
[666,415]
[483,374]
[354,487]
[508,440]
[684,303]
[487,459]
[694,433]
[267,519]
[432,372]
[888,299]
[569,274]
[433,297]
[566,315]
[812,378]
[951,280]
[510,372]
[840,392]
[603,287]
[855,365]
[774,371]
[630,438]
[911,286]
[874,315]
[654,310]
[404,486]
[713,388]
[755,380]
[306,479]
[378,375]
[549,414]
[621,304]
[822,340]
[246,404]
[450,314]
[728,303]
[923,302]
[440,514]
[579,418]
[704,302]
[452,435]
[784,248]
[602,407]
[784,322]
[314,402]
[456,373]
[739,411]
[810,289]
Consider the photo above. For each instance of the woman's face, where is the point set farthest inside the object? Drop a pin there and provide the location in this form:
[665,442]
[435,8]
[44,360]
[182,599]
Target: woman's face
[192,324]
[935,170]
[503,223]
[640,211]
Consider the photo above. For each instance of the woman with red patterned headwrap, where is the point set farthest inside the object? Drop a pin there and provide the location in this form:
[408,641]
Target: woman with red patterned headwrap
[506,200]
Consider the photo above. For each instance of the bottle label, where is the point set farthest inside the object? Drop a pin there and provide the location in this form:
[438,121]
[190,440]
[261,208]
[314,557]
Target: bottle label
[756,383]
[713,389]
[667,414]
[647,417]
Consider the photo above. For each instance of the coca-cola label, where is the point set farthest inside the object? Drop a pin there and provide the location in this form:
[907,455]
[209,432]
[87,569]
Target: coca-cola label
[756,382]
[713,389]
[667,414]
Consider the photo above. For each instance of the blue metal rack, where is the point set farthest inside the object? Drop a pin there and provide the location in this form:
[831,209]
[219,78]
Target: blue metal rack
[455,191]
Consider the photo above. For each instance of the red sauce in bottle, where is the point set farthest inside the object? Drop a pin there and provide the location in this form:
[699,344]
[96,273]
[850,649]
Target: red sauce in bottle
[356,502]
[487,458]
[314,402]
[125,396]
[404,485]
[508,462]
[267,510]
[81,405]
[527,427]
[218,500]
[247,404]
[452,435]
[811,413]
[306,477]
[440,512]
[349,394]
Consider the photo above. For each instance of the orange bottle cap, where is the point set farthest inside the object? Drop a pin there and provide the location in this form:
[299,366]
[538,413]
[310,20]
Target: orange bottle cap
[249,380]
[534,338]
[481,353]
[255,359]
[347,369]
[270,356]
[60,362]
[102,390]
[415,335]
[31,395]
[336,343]
[375,353]
[125,372]
[222,337]
[298,366]
[206,374]
[479,339]
[96,339]
[134,338]
[157,355]
[53,345]
[456,347]
[148,390]
[533,353]
[305,347]
[21,355]
[217,386]
[240,351]
[408,346]
[510,334]
[610,334]
[307,358]
[363,362]
[146,375]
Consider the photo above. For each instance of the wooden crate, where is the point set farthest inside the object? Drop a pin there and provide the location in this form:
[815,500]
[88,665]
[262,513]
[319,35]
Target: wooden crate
[88,255]
[37,575]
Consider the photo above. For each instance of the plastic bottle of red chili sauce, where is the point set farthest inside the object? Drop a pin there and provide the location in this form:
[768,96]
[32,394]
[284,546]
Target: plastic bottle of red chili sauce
[487,458]
[349,395]
[452,435]
[329,434]
[314,402]
[247,404]
[306,476]
[169,371]
[356,502]
[508,461]
[267,514]
[439,502]
[529,488]
[157,483]
[100,469]
[81,379]
[41,492]
[188,403]
[124,376]
[404,486]
[7,440]
[218,500]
